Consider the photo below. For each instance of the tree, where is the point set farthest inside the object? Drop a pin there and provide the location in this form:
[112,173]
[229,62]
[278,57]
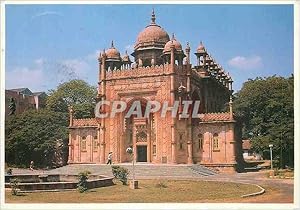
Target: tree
[33,135]
[77,93]
[265,107]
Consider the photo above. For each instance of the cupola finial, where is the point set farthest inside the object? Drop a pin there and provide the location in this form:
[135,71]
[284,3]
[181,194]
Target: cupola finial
[153,17]
[173,36]
[188,45]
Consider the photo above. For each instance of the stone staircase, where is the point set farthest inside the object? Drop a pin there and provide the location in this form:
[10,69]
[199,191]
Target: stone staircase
[141,170]
[202,170]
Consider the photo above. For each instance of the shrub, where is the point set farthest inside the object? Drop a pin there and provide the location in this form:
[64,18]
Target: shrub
[276,164]
[276,172]
[14,184]
[82,181]
[120,173]
[9,171]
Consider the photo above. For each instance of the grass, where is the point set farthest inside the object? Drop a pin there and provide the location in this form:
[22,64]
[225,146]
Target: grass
[173,191]
[282,173]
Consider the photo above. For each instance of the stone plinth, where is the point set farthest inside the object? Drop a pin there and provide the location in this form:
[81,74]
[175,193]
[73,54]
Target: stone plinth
[134,184]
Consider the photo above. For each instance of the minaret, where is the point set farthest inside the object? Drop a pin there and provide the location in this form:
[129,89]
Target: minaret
[187,51]
[71,117]
[98,97]
[188,72]
[173,138]
[189,120]
[101,132]
[103,73]
[230,98]
[71,146]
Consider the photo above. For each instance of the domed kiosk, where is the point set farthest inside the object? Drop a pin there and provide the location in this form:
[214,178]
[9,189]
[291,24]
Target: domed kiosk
[178,52]
[113,57]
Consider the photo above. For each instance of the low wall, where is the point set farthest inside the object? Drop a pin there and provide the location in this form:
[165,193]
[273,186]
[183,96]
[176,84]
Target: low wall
[51,182]
[222,168]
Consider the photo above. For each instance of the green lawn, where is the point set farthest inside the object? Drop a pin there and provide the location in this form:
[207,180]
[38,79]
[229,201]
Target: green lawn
[174,191]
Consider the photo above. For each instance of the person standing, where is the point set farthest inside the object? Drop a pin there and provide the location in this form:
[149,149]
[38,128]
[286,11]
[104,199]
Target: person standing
[31,166]
[109,158]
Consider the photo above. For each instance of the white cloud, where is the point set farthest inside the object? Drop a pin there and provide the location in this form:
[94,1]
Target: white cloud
[39,61]
[24,77]
[46,13]
[129,48]
[246,63]
[43,74]
[93,56]
[75,67]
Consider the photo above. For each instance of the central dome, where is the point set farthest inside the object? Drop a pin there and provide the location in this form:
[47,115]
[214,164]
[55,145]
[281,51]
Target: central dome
[153,33]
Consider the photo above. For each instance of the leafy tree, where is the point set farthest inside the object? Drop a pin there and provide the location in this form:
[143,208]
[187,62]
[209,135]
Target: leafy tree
[33,135]
[265,107]
[77,93]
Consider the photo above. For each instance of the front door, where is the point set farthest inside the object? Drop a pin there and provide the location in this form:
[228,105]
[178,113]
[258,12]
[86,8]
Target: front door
[141,153]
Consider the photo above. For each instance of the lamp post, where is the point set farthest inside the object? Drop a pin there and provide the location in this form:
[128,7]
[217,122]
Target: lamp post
[271,155]
[133,183]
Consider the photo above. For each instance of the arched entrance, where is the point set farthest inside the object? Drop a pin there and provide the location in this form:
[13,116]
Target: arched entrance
[138,132]
[141,144]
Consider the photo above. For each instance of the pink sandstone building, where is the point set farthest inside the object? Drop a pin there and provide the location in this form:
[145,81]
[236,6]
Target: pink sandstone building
[161,71]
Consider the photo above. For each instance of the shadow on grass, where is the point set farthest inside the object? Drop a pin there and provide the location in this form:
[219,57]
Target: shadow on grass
[90,191]
[93,189]
[20,195]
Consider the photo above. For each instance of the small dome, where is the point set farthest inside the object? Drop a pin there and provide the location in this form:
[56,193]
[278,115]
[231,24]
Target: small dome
[112,52]
[152,33]
[201,48]
[174,42]
[126,58]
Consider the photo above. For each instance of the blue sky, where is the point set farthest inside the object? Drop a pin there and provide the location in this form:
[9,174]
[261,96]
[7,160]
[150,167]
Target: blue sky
[50,44]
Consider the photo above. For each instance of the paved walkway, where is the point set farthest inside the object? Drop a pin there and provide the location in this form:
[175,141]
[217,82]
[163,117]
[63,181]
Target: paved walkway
[277,190]
[141,170]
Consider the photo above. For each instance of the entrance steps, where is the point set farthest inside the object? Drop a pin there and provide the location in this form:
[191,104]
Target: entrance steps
[202,170]
[142,170]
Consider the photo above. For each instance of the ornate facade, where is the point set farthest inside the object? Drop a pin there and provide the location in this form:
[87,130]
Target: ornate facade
[161,71]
